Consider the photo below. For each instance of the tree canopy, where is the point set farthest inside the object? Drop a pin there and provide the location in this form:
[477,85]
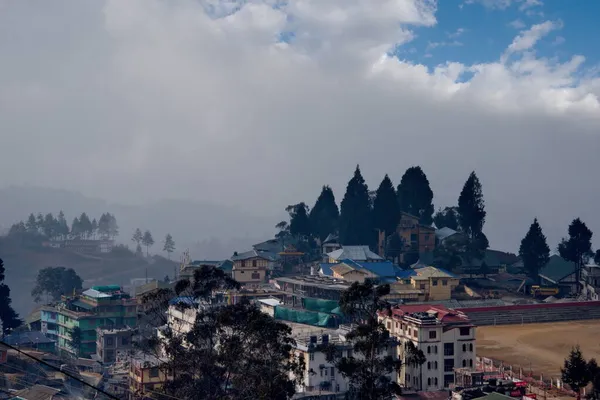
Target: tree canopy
[324,216]
[534,250]
[169,246]
[54,282]
[576,372]
[471,218]
[577,248]
[386,209]
[356,226]
[415,195]
[299,222]
[447,218]
[9,318]
[148,241]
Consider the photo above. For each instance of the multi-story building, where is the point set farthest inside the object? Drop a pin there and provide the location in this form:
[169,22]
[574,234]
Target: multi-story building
[100,306]
[251,268]
[434,284]
[446,338]
[49,322]
[112,340]
[418,238]
[146,376]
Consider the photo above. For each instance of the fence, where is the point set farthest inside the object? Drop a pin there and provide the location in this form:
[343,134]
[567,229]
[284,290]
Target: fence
[533,313]
[537,383]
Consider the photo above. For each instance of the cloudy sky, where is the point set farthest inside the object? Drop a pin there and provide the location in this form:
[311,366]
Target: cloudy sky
[257,104]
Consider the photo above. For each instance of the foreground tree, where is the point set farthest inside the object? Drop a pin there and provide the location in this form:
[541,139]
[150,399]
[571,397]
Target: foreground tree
[369,372]
[324,216]
[594,374]
[76,336]
[137,236]
[386,209]
[447,218]
[9,318]
[254,357]
[575,372]
[534,250]
[55,282]
[355,214]
[415,358]
[471,218]
[169,246]
[148,241]
[415,195]
[577,248]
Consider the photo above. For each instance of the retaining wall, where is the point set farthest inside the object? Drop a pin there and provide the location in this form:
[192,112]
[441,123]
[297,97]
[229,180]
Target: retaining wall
[533,313]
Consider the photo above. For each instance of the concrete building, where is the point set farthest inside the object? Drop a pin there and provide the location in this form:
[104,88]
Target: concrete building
[49,322]
[100,306]
[110,341]
[145,375]
[251,268]
[446,338]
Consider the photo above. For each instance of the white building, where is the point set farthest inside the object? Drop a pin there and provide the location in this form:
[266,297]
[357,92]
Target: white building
[446,338]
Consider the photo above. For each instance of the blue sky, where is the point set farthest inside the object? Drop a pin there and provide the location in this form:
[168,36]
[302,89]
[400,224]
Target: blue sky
[474,33]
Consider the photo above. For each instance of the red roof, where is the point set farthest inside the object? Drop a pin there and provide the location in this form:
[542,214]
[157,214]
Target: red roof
[444,314]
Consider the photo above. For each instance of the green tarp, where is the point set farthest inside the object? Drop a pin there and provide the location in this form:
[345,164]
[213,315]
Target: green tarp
[322,305]
[303,316]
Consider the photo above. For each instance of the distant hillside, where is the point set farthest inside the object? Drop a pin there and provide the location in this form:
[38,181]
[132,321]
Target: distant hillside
[23,264]
[208,230]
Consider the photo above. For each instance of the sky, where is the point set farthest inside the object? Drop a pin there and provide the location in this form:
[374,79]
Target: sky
[256,104]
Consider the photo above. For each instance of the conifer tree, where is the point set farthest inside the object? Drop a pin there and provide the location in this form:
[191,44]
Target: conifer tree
[386,209]
[415,195]
[299,222]
[576,372]
[9,318]
[148,241]
[356,227]
[324,216]
[471,218]
[169,246]
[578,247]
[31,224]
[534,250]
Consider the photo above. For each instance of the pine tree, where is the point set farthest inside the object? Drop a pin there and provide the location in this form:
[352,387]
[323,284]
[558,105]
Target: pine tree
[169,246]
[137,236]
[299,222]
[103,225]
[63,226]
[575,372]
[76,228]
[325,215]
[31,224]
[113,227]
[356,226]
[386,209]
[148,241]
[415,195]
[85,225]
[50,225]
[578,247]
[471,218]
[94,227]
[9,318]
[534,250]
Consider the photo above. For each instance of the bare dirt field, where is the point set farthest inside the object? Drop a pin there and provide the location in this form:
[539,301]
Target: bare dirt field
[540,348]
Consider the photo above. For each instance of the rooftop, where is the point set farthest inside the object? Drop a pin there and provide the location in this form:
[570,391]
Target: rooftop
[356,253]
[324,282]
[432,272]
[253,254]
[25,338]
[441,313]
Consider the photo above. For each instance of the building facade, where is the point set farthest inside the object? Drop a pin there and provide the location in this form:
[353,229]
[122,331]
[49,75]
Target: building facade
[112,340]
[446,338]
[146,376]
[100,306]
[251,268]
[417,238]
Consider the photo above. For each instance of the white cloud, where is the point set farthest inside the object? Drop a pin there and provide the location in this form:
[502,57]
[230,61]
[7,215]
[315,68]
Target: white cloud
[457,33]
[131,100]
[524,5]
[517,24]
[527,39]
[558,41]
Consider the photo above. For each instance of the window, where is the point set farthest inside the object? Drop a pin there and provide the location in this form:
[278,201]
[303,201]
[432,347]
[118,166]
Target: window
[465,331]
[332,372]
[448,349]
[436,367]
[255,275]
[243,263]
[464,362]
[434,282]
[436,381]
[428,364]
[432,334]
[413,237]
[415,333]
[154,372]
[124,341]
[254,263]
[311,356]
[110,341]
[422,286]
[428,381]
[444,282]
[389,325]
[464,347]
[396,325]
[471,347]
[427,238]
[448,380]
[471,363]
[428,349]
[435,349]
[449,365]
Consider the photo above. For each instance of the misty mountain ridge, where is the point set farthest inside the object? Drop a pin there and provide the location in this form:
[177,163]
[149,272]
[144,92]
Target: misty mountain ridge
[209,231]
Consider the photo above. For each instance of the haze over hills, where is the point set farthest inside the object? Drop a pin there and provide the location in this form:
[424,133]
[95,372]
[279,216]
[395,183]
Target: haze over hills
[210,231]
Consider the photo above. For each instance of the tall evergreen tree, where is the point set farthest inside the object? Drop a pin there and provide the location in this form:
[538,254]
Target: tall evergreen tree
[576,372]
[31,224]
[85,225]
[148,241]
[578,247]
[113,227]
[169,246]
[9,318]
[415,195]
[386,209]
[325,215]
[534,250]
[76,228]
[63,226]
[471,218]
[446,218]
[103,225]
[137,236]
[356,227]
[299,222]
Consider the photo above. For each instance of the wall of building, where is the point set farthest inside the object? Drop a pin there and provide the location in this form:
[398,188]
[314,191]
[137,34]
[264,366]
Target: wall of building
[533,313]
